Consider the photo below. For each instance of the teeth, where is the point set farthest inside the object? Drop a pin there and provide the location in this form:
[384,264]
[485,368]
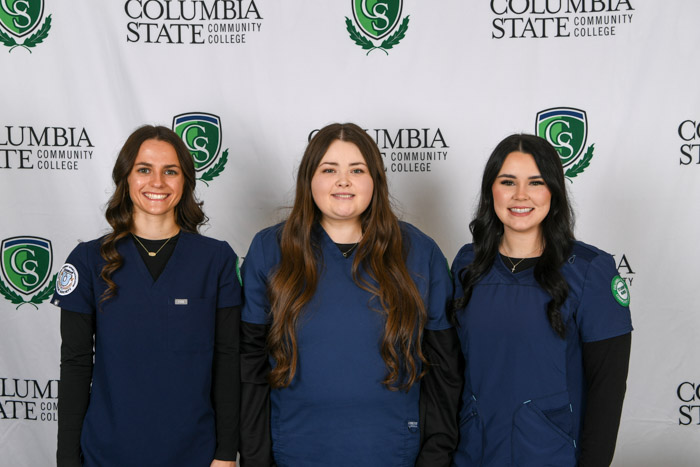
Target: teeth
[521,210]
[154,196]
[344,196]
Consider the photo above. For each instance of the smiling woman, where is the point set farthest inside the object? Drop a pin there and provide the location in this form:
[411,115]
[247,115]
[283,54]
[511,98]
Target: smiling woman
[545,331]
[159,304]
[347,358]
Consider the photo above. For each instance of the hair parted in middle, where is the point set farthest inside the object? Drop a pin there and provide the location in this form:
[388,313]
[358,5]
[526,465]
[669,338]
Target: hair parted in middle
[379,267]
[557,227]
[119,212]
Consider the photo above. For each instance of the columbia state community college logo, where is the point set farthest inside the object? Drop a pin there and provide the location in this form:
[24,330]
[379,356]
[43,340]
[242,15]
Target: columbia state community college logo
[26,267]
[566,129]
[20,18]
[376,19]
[201,133]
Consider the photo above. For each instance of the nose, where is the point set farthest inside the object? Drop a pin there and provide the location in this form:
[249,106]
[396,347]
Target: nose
[521,192]
[157,179]
[342,180]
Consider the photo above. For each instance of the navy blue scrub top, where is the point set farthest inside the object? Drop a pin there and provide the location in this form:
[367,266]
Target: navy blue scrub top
[336,411]
[524,393]
[150,402]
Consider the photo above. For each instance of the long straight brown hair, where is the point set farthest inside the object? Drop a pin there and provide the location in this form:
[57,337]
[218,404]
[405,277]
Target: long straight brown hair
[379,267]
[119,212]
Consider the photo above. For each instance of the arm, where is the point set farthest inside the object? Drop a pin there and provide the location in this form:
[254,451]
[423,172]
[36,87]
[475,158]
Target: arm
[605,365]
[441,389]
[255,441]
[77,331]
[226,383]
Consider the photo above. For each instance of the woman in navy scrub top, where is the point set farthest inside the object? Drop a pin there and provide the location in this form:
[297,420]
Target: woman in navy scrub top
[161,305]
[543,320]
[347,357]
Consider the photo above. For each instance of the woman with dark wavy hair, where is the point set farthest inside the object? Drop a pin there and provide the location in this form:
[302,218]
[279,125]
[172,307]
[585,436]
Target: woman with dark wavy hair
[543,320]
[157,306]
[347,304]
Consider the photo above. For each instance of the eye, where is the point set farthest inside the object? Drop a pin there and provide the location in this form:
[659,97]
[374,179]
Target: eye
[143,170]
[358,171]
[507,182]
[537,183]
[327,171]
[171,172]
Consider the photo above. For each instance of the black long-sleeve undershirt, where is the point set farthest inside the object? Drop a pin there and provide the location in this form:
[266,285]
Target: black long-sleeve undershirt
[605,365]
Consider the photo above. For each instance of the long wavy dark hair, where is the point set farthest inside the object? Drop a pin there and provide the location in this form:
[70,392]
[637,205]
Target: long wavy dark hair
[119,212]
[379,267]
[557,227]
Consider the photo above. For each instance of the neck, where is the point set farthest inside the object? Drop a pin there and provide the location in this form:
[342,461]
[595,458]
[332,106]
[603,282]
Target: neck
[521,245]
[154,227]
[342,231]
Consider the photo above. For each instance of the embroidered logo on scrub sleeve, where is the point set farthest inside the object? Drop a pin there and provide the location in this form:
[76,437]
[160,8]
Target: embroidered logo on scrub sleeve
[620,291]
[67,279]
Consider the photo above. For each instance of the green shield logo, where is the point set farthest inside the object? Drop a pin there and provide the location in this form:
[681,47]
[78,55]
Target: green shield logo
[20,17]
[26,262]
[377,18]
[566,129]
[201,133]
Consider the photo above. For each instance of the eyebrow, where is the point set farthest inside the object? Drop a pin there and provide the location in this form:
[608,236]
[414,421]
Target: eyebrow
[148,164]
[336,164]
[531,177]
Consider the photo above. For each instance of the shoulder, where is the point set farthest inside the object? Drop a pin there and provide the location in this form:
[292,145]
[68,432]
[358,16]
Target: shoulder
[415,237]
[583,255]
[86,252]
[267,239]
[206,245]
[464,257]
[270,234]
[587,264]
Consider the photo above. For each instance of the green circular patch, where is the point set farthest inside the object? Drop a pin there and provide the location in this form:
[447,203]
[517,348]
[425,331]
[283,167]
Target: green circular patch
[620,291]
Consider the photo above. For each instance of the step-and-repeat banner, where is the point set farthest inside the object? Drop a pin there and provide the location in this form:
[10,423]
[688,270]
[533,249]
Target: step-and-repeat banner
[613,84]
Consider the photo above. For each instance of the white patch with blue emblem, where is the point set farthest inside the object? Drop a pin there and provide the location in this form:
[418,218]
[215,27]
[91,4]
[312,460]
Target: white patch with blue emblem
[67,279]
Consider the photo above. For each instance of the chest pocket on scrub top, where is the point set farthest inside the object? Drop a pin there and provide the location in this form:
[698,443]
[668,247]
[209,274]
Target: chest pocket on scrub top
[190,324]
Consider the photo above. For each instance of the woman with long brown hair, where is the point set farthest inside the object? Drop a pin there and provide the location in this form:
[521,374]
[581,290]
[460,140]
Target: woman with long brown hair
[348,306]
[157,305]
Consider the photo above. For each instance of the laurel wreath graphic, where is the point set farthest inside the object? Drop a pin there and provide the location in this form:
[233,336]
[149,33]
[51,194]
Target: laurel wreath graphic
[386,44]
[36,38]
[216,170]
[37,299]
[581,165]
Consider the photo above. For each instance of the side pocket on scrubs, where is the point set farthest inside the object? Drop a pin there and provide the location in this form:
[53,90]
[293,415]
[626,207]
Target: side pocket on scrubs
[191,324]
[470,449]
[542,433]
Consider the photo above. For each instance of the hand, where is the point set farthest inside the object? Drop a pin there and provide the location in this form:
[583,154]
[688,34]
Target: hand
[218,463]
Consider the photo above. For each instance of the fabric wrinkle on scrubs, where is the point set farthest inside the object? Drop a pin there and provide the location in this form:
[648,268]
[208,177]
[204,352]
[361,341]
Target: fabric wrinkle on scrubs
[336,411]
[150,402]
[524,394]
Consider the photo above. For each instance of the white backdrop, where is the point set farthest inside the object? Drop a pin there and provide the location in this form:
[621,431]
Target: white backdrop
[464,75]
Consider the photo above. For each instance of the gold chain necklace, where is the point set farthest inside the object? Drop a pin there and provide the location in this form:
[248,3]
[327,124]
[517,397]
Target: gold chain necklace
[152,253]
[515,265]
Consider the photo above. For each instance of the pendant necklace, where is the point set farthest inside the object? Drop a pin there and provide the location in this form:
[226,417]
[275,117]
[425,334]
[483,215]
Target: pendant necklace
[151,253]
[347,252]
[515,265]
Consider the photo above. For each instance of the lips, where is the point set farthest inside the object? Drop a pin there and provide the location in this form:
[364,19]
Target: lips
[156,196]
[521,210]
[343,195]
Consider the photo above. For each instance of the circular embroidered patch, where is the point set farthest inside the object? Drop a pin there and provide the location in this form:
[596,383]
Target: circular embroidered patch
[67,279]
[620,291]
